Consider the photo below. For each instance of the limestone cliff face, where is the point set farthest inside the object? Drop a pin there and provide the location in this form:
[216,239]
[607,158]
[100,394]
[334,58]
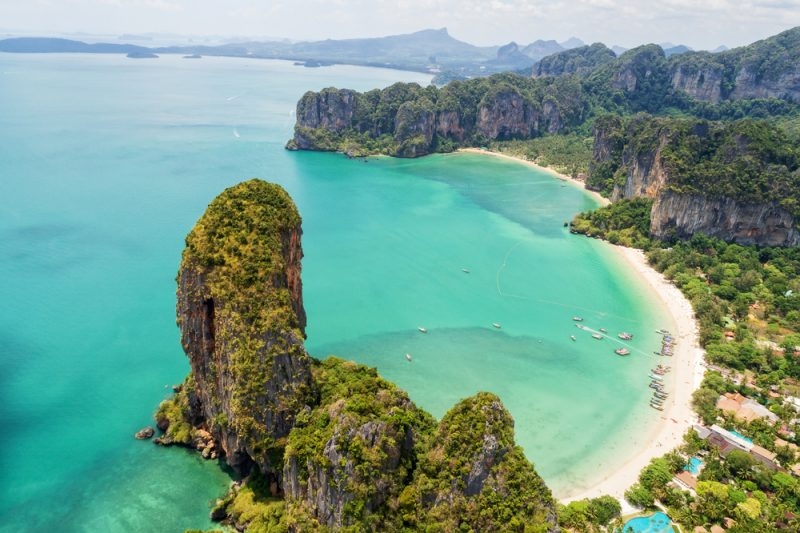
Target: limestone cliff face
[702,83]
[241,316]
[342,446]
[506,115]
[682,215]
[414,127]
[330,109]
[751,83]
[655,158]
[405,120]
[348,460]
[645,173]
[473,460]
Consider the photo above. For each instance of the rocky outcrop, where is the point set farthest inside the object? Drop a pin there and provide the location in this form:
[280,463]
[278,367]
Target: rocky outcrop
[751,82]
[734,181]
[339,444]
[506,115]
[351,457]
[680,216]
[145,433]
[580,61]
[473,460]
[241,317]
[701,79]
[405,120]
[330,109]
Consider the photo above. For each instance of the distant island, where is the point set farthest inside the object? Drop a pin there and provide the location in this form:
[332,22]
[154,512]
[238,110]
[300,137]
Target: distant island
[431,51]
[141,55]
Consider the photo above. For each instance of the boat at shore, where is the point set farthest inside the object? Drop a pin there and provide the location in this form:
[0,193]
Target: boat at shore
[622,351]
[657,407]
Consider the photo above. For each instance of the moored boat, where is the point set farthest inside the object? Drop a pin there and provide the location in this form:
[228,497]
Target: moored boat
[422,329]
[408,357]
[624,335]
[572,337]
[597,336]
[495,324]
[577,319]
[622,351]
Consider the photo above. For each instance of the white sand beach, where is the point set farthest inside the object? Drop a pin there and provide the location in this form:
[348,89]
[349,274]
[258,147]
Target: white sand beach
[687,368]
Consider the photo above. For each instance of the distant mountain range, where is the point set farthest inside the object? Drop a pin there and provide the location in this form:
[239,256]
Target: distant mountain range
[434,51]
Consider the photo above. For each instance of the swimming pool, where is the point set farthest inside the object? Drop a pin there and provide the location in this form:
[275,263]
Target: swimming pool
[655,523]
[734,432]
[694,466]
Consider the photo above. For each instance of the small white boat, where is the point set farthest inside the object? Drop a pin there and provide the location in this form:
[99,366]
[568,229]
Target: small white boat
[577,319]
[422,330]
[465,270]
[572,337]
[408,357]
[495,324]
[597,336]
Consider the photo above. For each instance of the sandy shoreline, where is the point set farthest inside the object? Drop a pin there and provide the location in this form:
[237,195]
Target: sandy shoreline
[687,367]
[687,373]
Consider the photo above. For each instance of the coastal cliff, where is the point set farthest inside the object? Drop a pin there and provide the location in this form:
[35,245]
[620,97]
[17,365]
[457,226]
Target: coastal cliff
[682,215]
[324,444]
[766,69]
[735,181]
[241,316]
[406,120]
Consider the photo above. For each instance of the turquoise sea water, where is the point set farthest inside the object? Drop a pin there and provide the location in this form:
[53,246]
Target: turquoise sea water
[107,162]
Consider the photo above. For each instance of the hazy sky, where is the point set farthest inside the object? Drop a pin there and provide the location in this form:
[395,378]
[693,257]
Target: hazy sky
[700,24]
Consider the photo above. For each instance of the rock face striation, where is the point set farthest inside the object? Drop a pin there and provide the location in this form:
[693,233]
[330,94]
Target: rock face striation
[682,215]
[328,444]
[241,316]
[406,120]
[736,181]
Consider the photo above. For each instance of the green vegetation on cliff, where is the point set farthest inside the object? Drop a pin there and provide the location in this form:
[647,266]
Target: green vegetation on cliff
[473,477]
[242,326]
[626,222]
[325,445]
[750,161]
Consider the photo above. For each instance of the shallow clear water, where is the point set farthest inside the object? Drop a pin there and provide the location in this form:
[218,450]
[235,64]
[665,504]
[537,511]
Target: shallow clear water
[107,162]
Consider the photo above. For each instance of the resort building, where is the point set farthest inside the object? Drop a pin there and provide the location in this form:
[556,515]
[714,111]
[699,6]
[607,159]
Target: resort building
[764,456]
[727,441]
[744,408]
[686,481]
